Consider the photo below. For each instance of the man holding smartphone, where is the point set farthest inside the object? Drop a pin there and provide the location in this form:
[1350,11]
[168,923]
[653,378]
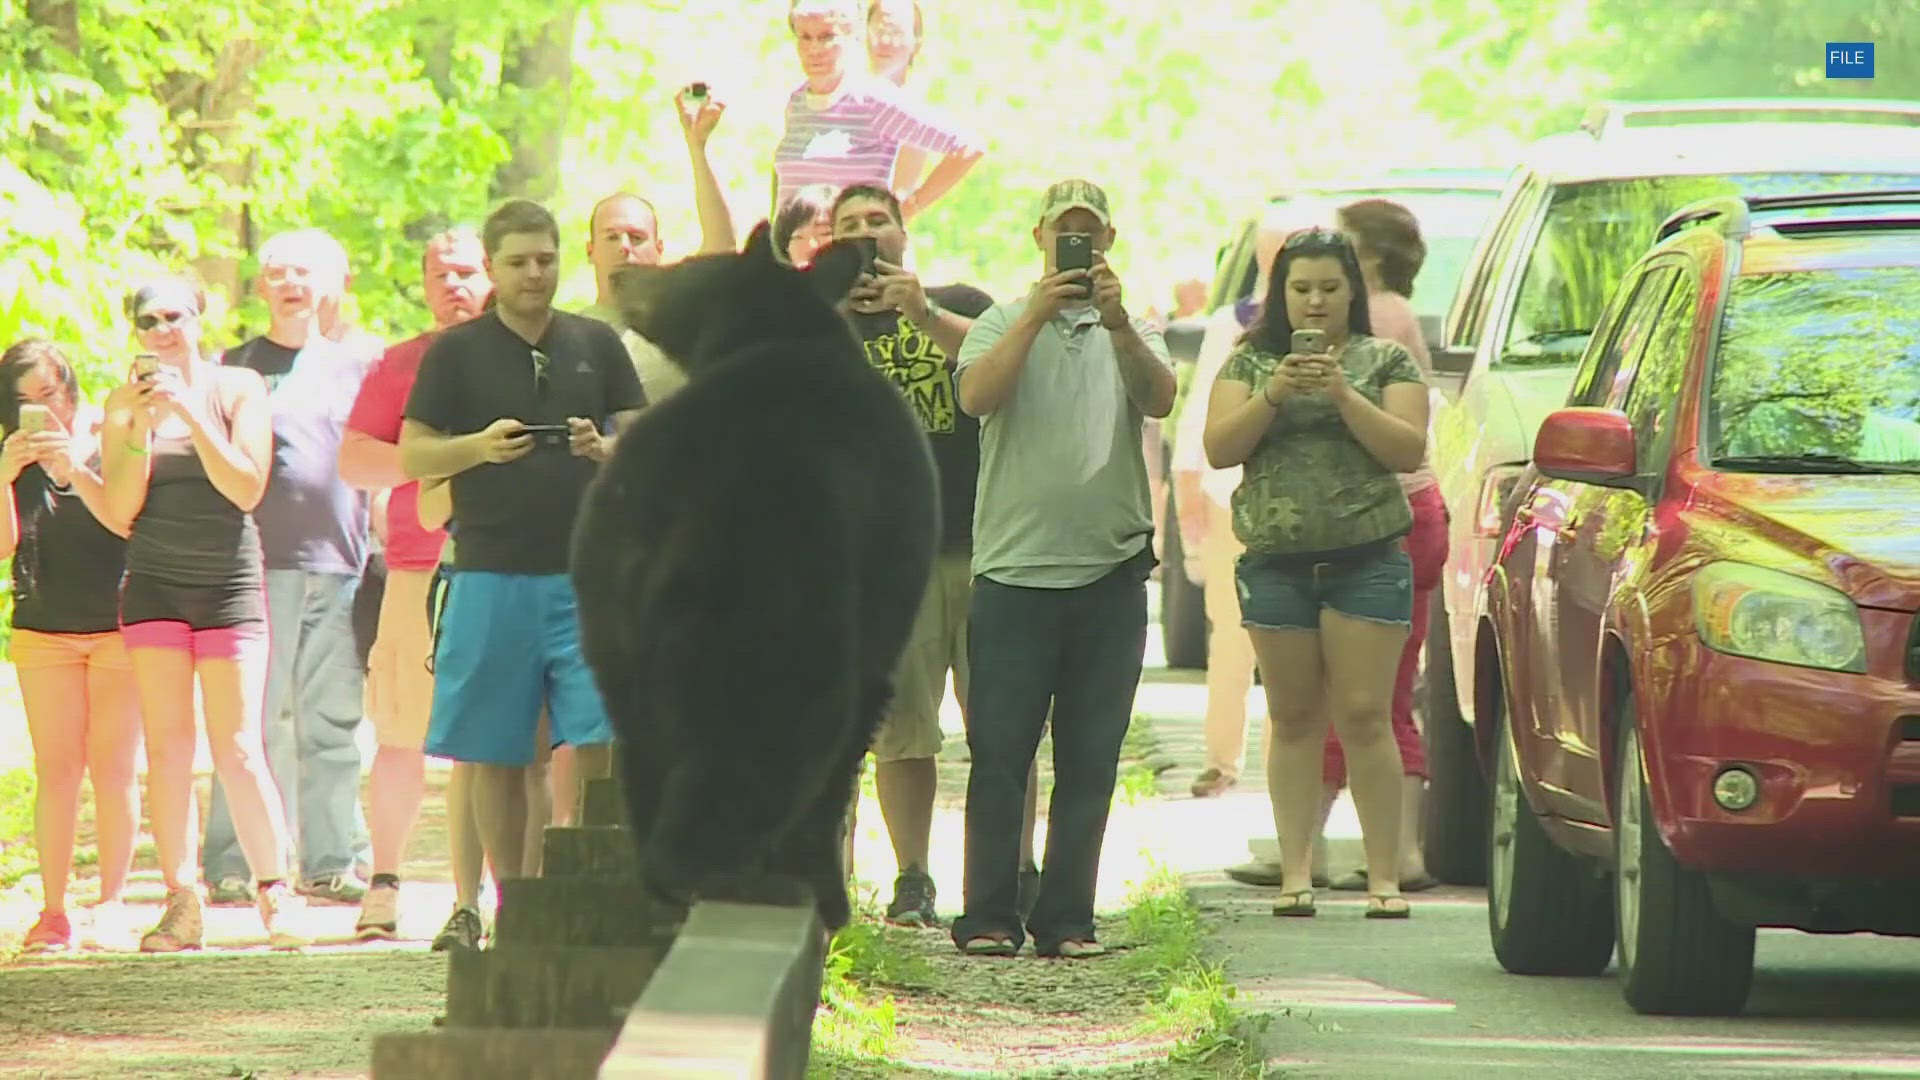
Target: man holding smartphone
[1062,381]
[513,406]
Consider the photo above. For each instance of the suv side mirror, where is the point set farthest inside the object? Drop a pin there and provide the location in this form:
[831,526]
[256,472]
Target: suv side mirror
[1452,361]
[1586,445]
[1183,338]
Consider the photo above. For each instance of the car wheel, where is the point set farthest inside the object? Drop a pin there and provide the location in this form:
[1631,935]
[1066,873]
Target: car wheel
[1454,832]
[1548,912]
[1678,955]
[1183,605]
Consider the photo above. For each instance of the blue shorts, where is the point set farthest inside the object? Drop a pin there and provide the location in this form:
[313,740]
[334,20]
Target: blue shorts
[509,643]
[1283,594]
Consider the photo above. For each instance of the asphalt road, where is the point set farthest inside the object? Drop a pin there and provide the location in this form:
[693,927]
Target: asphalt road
[1424,999]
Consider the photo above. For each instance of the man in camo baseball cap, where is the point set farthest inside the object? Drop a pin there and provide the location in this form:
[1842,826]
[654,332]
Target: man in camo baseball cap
[1075,195]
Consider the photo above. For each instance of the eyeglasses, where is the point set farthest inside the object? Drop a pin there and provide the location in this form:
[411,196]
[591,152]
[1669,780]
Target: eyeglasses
[540,364]
[152,319]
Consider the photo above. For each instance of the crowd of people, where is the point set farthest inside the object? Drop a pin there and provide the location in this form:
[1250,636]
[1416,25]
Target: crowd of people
[314,529]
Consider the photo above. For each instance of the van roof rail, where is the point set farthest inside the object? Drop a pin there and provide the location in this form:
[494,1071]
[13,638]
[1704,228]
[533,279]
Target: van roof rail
[1605,117]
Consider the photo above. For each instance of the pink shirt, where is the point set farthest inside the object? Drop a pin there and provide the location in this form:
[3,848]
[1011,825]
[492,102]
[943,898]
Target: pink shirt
[1394,320]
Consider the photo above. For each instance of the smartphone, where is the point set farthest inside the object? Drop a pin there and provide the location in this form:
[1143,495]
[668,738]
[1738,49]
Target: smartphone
[1309,342]
[35,419]
[1074,251]
[146,366]
[869,251]
[696,91]
[548,434]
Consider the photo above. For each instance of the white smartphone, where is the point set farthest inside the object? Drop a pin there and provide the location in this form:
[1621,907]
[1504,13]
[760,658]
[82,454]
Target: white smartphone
[35,419]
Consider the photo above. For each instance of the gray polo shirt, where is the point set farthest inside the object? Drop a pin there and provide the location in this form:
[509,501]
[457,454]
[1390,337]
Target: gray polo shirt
[1063,484]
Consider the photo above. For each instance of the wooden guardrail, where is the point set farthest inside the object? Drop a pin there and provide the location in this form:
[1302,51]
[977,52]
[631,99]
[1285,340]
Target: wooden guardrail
[585,972]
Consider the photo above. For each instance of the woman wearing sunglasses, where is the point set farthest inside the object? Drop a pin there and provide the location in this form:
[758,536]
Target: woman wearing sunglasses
[187,446]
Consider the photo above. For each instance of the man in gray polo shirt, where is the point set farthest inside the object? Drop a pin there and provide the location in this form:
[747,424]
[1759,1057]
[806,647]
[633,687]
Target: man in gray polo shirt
[1062,381]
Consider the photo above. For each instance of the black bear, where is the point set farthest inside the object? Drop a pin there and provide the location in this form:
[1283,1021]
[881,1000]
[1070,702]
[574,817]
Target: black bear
[749,564]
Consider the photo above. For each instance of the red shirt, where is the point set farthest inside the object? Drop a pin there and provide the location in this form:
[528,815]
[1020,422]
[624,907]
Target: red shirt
[377,413]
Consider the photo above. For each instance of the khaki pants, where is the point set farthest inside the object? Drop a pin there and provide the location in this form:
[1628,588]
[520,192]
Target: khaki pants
[1229,649]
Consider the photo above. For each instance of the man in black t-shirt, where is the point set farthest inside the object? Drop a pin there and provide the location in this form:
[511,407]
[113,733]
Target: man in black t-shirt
[515,406]
[911,335]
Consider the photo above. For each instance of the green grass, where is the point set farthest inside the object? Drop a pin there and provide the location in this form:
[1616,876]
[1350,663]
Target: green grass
[17,857]
[1196,1000]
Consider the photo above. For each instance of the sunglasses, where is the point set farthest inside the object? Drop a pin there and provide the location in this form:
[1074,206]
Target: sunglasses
[1315,237]
[151,320]
[540,364]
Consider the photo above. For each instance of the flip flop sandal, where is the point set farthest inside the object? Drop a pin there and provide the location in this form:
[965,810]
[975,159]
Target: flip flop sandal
[990,945]
[1388,907]
[1295,905]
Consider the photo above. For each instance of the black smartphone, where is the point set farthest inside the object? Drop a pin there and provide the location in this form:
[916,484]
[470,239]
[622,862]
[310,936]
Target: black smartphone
[1074,251]
[697,90]
[548,434]
[869,252]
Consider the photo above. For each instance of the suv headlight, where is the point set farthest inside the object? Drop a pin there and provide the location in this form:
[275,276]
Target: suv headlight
[1769,615]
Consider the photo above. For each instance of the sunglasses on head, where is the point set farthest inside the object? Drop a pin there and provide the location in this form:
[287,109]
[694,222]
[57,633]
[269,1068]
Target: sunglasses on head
[1315,237]
[152,319]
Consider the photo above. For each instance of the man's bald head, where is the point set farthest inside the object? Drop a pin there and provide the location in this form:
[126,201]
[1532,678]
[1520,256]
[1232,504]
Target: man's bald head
[623,230]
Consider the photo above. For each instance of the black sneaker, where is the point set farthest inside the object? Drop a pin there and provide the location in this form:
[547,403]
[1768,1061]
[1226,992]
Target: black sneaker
[1029,891]
[913,894]
[463,931]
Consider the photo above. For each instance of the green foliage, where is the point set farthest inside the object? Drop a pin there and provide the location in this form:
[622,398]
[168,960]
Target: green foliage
[176,136]
[1197,1002]
[17,855]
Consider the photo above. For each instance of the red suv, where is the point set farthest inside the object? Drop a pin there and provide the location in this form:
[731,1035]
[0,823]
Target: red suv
[1699,665]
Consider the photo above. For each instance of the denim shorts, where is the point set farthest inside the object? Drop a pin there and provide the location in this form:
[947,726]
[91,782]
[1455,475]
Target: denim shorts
[1280,594]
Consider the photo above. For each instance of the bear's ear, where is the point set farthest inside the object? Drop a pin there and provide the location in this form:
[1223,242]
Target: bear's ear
[834,269]
[760,243]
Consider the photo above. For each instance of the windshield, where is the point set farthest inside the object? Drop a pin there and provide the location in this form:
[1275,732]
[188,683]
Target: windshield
[1596,230]
[1818,367]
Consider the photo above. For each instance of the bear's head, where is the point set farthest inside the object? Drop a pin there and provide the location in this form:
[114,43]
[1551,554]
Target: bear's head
[707,307]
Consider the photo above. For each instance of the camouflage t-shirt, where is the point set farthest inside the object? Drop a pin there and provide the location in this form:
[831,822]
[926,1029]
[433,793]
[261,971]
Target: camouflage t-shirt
[1310,486]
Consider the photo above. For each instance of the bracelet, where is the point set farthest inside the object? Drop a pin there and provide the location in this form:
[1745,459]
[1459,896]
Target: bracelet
[1271,404]
[132,449]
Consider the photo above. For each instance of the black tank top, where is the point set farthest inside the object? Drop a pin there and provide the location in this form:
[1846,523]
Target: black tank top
[66,568]
[187,532]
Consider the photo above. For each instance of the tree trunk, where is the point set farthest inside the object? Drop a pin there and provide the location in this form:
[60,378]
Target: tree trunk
[213,114]
[60,16]
[536,81]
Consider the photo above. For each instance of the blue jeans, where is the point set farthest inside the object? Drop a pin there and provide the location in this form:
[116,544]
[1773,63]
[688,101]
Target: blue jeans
[314,705]
[1080,650]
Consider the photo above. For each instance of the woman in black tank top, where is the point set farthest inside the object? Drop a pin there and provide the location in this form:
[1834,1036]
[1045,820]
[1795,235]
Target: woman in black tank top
[66,649]
[187,446]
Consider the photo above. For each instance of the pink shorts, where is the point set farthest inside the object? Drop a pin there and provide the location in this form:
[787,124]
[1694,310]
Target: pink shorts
[216,643]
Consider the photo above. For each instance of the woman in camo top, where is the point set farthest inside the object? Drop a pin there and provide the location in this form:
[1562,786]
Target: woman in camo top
[1326,589]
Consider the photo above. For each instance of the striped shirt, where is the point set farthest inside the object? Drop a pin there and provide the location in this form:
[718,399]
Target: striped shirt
[856,136]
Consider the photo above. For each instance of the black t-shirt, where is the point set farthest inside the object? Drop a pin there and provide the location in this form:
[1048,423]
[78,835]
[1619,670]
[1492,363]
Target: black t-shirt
[66,569]
[924,373]
[518,518]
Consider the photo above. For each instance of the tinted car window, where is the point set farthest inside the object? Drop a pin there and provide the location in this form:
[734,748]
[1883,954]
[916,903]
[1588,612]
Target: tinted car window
[1656,384]
[1819,362]
[1594,231]
[1597,382]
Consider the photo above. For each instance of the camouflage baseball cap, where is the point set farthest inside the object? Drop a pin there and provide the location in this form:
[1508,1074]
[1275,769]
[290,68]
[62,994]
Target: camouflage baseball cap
[1074,194]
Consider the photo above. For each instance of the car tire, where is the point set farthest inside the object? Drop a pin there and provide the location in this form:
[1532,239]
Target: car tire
[1454,831]
[1183,605]
[1678,955]
[1549,912]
